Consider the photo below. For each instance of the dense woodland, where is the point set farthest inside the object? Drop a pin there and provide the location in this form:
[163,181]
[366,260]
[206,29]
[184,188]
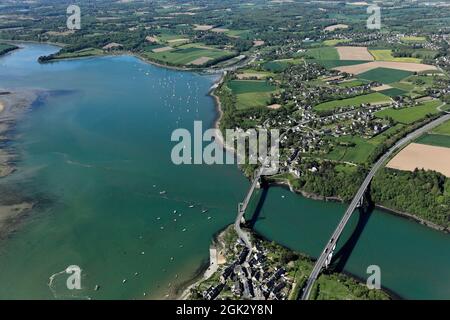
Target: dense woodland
[423,193]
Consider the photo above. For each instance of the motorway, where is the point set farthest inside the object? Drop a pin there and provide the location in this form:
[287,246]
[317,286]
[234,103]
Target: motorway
[320,263]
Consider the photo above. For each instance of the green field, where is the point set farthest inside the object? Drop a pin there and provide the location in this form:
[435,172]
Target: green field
[385,75]
[362,148]
[329,64]
[238,33]
[438,140]
[323,53]
[262,74]
[352,83]
[88,52]
[386,55]
[413,39]
[405,86]
[356,101]
[393,92]
[185,54]
[333,42]
[443,129]
[415,86]
[351,149]
[280,65]
[246,86]
[251,93]
[412,114]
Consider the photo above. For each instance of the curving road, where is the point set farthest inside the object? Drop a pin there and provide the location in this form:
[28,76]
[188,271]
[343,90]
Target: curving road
[331,244]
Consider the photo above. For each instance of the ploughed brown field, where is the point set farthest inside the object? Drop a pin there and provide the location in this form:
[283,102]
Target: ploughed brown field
[406,66]
[422,156]
[335,27]
[354,53]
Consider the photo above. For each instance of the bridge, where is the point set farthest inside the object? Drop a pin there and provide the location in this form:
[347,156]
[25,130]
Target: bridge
[325,258]
[265,169]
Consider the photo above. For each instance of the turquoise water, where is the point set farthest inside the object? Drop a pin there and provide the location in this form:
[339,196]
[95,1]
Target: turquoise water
[96,152]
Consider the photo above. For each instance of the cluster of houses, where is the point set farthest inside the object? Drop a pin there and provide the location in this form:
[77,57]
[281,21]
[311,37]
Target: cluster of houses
[250,276]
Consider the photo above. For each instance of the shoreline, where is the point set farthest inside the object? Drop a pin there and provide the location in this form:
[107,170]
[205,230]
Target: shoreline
[202,273]
[219,138]
[219,109]
[13,206]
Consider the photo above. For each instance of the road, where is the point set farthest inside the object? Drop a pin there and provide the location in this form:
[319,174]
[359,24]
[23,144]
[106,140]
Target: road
[320,263]
[264,169]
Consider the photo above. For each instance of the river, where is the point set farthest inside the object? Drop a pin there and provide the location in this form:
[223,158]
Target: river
[96,150]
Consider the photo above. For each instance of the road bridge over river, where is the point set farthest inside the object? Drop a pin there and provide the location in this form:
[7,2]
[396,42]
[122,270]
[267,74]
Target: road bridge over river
[327,253]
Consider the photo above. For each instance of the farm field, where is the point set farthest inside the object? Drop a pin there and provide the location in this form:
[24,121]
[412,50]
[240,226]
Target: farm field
[385,75]
[358,152]
[443,129]
[250,73]
[186,54]
[333,42]
[251,93]
[238,33]
[323,53]
[330,64]
[356,101]
[354,53]
[280,65]
[359,149]
[413,39]
[438,140]
[336,27]
[421,156]
[411,114]
[405,66]
[352,83]
[393,92]
[386,55]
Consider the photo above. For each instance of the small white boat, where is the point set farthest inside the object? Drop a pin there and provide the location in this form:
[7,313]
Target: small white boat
[162,192]
[191,206]
[124,280]
[174,211]
[204,210]
[184,230]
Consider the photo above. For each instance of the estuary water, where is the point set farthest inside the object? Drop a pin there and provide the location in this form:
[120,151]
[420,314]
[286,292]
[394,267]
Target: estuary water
[95,150]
